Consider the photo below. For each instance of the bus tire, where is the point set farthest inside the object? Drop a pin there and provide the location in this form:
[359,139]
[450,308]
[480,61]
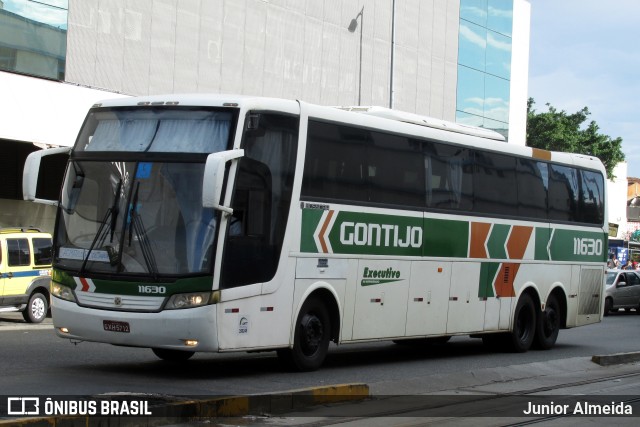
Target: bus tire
[36,309]
[524,325]
[172,355]
[311,337]
[548,324]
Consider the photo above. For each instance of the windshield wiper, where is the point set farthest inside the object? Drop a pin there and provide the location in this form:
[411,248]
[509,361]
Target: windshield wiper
[101,235]
[141,233]
[115,210]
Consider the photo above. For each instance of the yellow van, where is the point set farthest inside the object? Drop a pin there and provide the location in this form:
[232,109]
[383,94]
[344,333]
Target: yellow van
[25,272]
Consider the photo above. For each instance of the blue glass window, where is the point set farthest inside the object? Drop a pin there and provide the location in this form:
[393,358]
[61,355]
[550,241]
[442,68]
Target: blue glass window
[472,45]
[500,16]
[474,11]
[33,37]
[484,63]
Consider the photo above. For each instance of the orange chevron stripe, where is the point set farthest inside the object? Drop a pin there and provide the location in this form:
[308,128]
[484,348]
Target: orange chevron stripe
[504,280]
[323,230]
[518,241]
[479,234]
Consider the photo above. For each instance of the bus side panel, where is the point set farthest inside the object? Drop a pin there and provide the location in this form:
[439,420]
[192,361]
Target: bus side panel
[466,308]
[428,301]
[382,289]
[246,317]
[588,286]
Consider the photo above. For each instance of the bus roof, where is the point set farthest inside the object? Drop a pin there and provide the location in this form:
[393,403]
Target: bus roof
[464,134]
[431,122]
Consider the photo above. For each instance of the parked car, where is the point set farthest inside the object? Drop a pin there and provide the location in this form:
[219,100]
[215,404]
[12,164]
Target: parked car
[25,272]
[622,290]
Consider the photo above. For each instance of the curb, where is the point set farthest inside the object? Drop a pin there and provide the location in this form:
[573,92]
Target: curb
[188,410]
[616,359]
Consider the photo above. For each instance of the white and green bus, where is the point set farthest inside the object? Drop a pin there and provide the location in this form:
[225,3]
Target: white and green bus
[218,223]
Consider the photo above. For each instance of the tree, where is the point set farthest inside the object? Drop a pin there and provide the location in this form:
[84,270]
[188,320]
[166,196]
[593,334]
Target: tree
[555,130]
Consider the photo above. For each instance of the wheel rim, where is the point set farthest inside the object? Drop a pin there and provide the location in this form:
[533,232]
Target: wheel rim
[37,308]
[312,332]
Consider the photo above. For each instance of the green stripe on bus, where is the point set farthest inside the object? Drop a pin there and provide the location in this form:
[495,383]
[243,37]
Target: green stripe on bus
[488,271]
[497,240]
[542,240]
[356,233]
[446,238]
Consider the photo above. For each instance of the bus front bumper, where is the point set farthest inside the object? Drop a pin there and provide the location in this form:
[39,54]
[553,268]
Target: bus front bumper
[191,329]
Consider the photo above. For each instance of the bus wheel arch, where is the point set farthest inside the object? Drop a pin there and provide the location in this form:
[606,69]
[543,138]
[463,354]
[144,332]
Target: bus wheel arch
[317,323]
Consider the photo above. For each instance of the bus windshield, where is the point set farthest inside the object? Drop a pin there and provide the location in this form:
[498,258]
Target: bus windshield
[140,212]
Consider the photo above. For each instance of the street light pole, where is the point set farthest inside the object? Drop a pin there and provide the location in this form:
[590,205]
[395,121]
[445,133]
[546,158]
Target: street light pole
[393,50]
[352,27]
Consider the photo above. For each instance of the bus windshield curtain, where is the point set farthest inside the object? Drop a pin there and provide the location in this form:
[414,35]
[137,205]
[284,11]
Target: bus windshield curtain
[152,135]
[199,223]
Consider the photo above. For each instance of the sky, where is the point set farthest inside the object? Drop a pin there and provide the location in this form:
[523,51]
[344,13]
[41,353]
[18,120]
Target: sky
[586,53]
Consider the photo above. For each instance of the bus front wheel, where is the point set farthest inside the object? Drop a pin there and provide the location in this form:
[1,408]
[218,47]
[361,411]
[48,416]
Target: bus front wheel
[311,337]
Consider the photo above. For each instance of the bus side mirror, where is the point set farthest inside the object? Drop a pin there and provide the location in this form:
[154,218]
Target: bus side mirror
[46,188]
[213,179]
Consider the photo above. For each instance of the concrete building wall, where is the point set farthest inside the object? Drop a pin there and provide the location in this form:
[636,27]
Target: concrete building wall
[281,48]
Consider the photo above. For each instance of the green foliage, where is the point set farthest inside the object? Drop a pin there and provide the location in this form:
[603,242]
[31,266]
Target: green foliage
[555,130]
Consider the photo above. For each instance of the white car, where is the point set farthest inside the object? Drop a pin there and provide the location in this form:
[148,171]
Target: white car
[622,290]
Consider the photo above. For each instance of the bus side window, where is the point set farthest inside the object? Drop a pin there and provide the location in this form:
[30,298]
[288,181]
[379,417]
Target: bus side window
[532,180]
[591,197]
[563,193]
[495,187]
[449,177]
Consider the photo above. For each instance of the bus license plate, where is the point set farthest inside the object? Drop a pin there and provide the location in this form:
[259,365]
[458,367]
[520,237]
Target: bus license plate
[113,326]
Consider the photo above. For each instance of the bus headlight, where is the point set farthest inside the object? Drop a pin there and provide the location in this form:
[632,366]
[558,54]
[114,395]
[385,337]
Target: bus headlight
[62,292]
[190,300]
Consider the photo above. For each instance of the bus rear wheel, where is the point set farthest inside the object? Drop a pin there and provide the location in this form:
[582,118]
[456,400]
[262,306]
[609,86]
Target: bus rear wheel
[311,337]
[524,325]
[172,355]
[524,329]
[548,325]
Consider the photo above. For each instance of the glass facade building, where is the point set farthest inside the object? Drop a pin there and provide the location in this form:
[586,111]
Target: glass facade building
[33,37]
[484,63]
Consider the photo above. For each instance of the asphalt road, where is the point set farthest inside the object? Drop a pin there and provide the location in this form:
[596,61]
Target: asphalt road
[35,361]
